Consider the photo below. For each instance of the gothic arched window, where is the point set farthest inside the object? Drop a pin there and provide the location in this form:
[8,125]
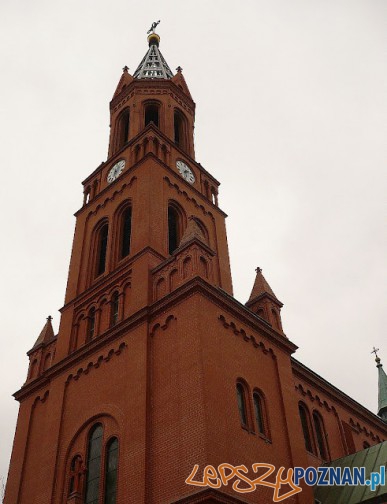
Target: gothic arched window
[306,427]
[90,325]
[111,472]
[114,309]
[180,127]
[242,406]
[126,230]
[152,114]
[76,476]
[102,249]
[94,454]
[320,435]
[33,369]
[276,319]
[173,229]
[260,413]
[122,132]
[46,362]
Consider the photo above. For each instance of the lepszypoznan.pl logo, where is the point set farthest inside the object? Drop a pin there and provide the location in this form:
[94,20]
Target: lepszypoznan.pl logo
[321,476]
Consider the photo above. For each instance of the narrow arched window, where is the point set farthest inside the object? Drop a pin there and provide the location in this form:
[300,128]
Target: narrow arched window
[259,410]
[214,196]
[276,319]
[152,114]
[33,369]
[47,362]
[94,453]
[86,195]
[305,422]
[123,129]
[173,229]
[114,309]
[102,249]
[90,325]
[241,400]
[111,472]
[126,230]
[179,129]
[76,476]
[321,436]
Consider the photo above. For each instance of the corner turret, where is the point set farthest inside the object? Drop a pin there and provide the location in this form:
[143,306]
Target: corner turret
[264,302]
[42,353]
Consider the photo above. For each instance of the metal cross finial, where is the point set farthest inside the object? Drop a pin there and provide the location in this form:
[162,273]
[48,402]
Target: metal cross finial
[125,69]
[375,350]
[49,318]
[153,27]
[179,69]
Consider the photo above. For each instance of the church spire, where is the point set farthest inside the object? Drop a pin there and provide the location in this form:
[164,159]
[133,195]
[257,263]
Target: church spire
[382,386]
[153,64]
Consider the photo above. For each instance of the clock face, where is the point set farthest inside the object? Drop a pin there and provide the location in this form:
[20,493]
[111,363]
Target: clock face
[115,171]
[185,172]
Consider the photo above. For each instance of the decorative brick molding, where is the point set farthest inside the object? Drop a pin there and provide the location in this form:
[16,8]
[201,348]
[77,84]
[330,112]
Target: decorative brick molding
[96,364]
[245,336]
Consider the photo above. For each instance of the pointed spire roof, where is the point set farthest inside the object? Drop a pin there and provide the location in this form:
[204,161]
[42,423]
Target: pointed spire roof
[261,287]
[46,334]
[192,231]
[382,394]
[153,64]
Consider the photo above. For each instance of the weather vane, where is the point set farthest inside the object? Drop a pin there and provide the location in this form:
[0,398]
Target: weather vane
[153,27]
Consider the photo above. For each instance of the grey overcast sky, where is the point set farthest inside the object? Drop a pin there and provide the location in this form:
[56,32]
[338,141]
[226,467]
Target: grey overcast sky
[291,118]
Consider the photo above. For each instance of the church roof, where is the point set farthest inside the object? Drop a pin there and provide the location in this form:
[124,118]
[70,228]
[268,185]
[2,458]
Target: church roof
[261,286]
[382,395]
[153,64]
[372,459]
[46,334]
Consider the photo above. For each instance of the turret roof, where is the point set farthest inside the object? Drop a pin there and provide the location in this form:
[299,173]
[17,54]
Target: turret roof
[261,286]
[46,334]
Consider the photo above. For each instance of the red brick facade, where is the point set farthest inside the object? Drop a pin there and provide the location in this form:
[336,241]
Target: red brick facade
[152,347]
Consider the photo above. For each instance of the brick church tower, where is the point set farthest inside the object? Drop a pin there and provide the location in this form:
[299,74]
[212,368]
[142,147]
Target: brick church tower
[156,367]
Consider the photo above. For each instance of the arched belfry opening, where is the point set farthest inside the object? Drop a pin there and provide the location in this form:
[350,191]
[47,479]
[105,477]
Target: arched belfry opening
[101,244]
[176,220]
[122,129]
[126,231]
[152,113]
[180,129]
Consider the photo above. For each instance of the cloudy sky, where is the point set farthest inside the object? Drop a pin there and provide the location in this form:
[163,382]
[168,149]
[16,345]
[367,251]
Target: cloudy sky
[291,118]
